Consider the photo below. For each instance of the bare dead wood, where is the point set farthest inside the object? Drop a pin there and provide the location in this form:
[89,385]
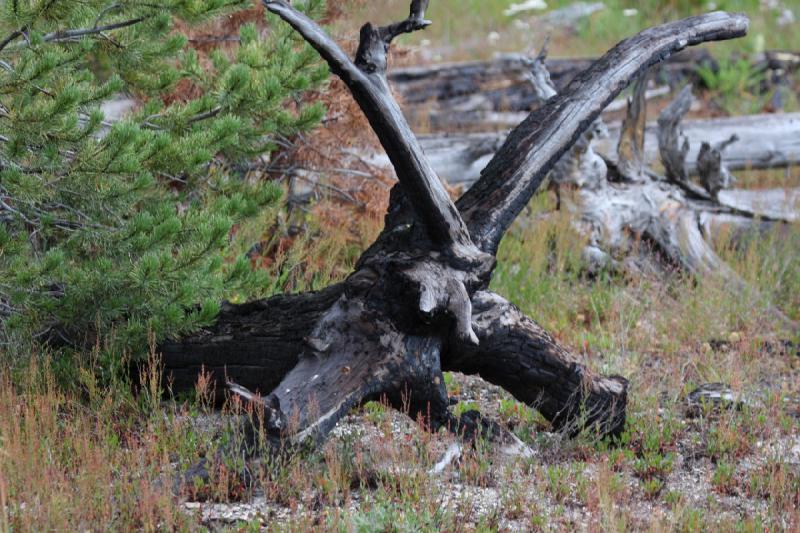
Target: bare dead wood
[496,94]
[672,213]
[765,141]
[469,95]
[630,150]
[530,151]
[416,303]
[673,146]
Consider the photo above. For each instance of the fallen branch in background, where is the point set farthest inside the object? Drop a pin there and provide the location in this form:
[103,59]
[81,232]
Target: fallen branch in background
[497,94]
[765,141]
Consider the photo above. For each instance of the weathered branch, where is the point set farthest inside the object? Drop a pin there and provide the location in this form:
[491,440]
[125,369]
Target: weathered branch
[370,90]
[539,76]
[374,42]
[510,179]
[712,173]
[673,146]
[518,355]
[630,150]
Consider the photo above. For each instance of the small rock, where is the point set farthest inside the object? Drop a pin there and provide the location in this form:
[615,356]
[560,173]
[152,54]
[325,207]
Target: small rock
[718,396]
[530,5]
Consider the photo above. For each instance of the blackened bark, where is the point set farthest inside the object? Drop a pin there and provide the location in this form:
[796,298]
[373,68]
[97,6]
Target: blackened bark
[416,302]
[516,354]
[254,344]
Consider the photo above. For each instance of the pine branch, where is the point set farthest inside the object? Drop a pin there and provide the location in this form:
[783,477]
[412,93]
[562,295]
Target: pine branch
[8,40]
[72,35]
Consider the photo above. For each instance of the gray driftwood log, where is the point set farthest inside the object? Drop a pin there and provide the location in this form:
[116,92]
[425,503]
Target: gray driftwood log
[765,141]
[417,302]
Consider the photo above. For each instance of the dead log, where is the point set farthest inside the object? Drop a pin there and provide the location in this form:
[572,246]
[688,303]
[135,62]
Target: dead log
[417,301]
[674,214]
[765,141]
[469,96]
[464,95]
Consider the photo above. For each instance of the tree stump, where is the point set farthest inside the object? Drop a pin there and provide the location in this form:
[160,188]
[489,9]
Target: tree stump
[417,302]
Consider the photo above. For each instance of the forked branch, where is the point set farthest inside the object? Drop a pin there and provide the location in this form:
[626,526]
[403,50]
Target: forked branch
[510,179]
[365,78]
[374,43]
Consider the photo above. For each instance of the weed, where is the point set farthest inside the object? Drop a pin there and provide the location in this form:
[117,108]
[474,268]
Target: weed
[653,465]
[465,407]
[723,478]
[735,83]
[692,519]
[652,487]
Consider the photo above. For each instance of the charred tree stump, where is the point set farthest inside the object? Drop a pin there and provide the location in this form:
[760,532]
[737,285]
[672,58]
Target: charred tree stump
[417,302]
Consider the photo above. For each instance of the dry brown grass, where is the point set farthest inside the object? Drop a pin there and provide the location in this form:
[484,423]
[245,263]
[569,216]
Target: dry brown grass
[72,462]
[93,457]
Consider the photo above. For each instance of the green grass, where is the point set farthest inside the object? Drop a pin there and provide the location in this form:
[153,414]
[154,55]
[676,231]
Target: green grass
[461,28]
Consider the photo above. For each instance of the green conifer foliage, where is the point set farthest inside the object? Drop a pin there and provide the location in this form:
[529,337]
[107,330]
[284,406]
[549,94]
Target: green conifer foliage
[122,230]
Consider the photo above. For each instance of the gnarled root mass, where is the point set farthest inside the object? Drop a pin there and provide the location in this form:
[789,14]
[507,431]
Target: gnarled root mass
[418,301]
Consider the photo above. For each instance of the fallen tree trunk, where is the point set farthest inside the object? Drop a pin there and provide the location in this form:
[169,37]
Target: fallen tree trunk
[464,95]
[475,95]
[765,141]
[417,301]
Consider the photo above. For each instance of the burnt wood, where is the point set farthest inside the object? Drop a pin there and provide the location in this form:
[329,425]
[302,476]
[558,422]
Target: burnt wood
[417,302]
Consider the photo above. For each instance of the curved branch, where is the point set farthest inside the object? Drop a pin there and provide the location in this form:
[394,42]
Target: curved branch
[530,151]
[366,81]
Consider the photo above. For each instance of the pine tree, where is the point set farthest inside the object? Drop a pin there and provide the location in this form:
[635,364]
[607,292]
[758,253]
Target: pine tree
[125,230]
